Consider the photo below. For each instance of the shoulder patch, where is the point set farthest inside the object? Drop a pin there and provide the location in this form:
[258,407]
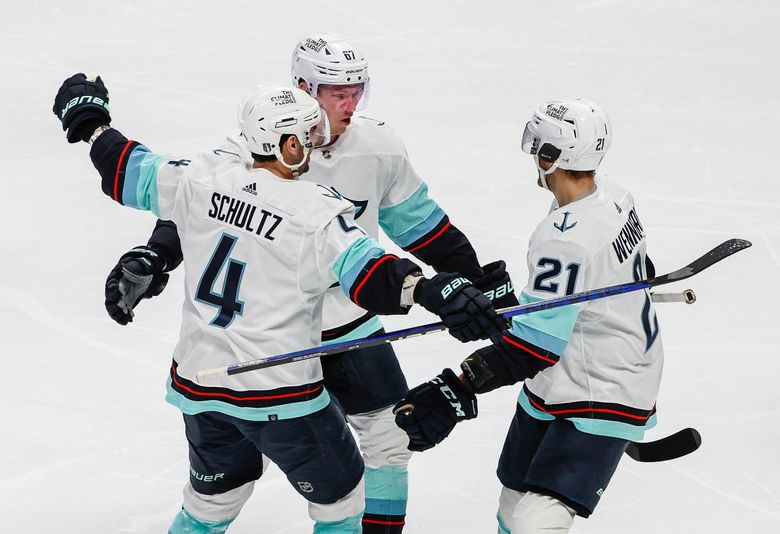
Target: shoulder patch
[566,223]
[329,192]
[179,163]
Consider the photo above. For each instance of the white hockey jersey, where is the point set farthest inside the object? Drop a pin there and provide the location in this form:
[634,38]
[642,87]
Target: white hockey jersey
[610,350]
[259,254]
[369,166]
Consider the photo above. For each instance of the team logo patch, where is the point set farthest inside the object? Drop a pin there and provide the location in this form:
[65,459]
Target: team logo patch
[565,225]
[306,487]
[179,163]
[360,206]
[329,192]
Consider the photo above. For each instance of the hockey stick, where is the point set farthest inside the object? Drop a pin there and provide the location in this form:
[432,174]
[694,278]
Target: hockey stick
[673,446]
[724,250]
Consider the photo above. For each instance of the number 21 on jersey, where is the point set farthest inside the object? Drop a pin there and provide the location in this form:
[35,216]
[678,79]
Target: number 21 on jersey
[548,280]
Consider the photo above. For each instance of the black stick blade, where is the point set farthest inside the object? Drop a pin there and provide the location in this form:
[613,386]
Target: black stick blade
[722,251]
[674,446]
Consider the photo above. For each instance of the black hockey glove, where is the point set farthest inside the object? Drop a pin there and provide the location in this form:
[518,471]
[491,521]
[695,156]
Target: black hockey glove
[468,314]
[138,275]
[430,411]
[82,106]
[496,285]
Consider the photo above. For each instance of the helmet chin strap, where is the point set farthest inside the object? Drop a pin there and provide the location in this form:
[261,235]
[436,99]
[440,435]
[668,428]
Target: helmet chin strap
[543,174]
[293,168]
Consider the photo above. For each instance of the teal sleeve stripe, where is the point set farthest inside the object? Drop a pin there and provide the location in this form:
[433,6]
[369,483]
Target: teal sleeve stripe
[186,522]
[549,329]
[364,330]
[348,525]
[540,339]
[140,186]
[282,411]
[387,489]
[421,230]
[348,266]
[398,219]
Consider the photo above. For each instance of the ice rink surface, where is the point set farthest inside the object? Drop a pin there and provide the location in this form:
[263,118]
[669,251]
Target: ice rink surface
[87,443]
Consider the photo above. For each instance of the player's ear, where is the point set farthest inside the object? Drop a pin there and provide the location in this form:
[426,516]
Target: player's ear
[302,85]
[290,145]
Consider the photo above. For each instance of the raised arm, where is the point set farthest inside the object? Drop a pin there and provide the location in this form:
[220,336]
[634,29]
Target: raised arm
[129,173]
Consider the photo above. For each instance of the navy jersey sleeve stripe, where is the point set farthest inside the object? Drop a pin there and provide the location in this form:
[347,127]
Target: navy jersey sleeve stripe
[109,154]
[447,249]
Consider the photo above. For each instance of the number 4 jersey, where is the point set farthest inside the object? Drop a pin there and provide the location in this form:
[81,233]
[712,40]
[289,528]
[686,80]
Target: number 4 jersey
[602,359]
[259,254]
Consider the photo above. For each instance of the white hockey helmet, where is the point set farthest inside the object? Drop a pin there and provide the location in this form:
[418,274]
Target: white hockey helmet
[329,59]
[572,134]
[273,110]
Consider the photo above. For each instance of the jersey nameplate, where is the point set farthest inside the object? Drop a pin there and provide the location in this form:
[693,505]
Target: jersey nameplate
[628,238]
[245,216]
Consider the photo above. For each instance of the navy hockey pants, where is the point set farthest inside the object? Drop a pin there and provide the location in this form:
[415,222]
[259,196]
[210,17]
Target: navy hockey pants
[316,452]
[554,458]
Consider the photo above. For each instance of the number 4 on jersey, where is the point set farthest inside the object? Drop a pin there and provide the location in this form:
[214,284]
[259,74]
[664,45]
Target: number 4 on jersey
[227,301]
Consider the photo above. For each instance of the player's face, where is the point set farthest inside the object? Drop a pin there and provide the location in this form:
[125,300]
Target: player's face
[339,102]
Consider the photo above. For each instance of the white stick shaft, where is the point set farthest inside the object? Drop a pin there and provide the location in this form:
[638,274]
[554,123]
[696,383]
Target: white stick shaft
[687,296]
[211,374]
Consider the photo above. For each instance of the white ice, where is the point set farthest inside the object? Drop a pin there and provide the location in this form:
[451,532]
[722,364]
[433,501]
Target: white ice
[88,444]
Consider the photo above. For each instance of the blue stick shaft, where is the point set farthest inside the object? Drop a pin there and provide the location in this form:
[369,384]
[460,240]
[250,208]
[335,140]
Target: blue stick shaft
[344,346]
[724,250]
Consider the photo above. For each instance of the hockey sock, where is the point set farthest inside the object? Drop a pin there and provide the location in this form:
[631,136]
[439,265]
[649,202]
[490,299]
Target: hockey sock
[349,525]
[387,488]
[186,523]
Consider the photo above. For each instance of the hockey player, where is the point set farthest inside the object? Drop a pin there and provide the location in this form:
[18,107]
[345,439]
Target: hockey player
[591,371]
[366,163]
[261,249]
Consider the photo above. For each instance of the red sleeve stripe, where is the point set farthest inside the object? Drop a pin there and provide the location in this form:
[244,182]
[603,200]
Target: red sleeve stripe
[119,169]
[529,351]
[368,275]
[428,241]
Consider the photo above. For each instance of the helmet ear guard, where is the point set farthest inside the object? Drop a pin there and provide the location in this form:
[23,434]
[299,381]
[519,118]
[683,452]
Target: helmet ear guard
[549,153]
